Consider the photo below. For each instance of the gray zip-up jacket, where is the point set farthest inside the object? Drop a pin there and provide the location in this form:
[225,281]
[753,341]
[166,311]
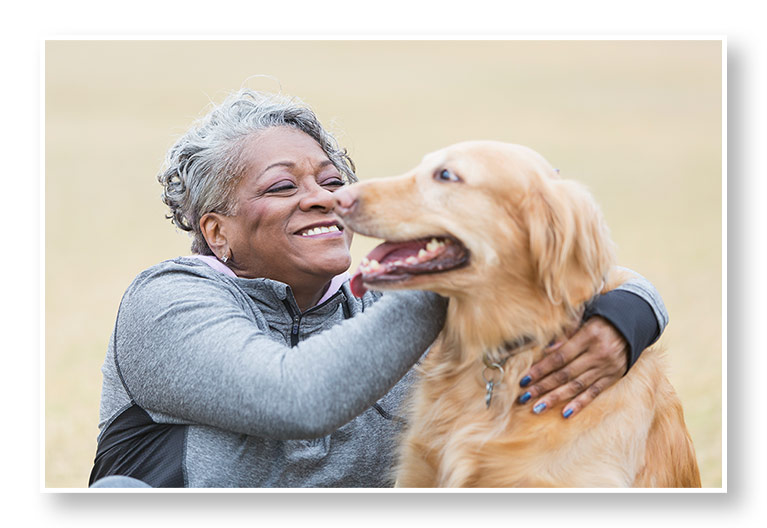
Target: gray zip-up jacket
[204,388]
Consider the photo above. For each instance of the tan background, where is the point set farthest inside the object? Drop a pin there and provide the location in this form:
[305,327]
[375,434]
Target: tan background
[639,122]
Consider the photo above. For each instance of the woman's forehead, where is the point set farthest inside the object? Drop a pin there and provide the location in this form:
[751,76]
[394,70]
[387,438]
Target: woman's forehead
[283,146]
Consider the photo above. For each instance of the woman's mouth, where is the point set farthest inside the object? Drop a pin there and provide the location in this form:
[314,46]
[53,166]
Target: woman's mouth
[320,230]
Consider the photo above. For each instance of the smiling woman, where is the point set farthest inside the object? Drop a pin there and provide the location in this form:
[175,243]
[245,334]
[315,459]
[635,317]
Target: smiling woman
[251,363]
[283,207]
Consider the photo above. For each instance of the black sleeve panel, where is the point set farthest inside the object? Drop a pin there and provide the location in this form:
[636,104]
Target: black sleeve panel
[631,315]
[135,446]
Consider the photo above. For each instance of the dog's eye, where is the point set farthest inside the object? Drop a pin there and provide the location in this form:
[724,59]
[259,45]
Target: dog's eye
[445,175]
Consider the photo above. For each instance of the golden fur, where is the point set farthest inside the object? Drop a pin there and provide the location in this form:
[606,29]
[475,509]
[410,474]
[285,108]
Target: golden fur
[539,250]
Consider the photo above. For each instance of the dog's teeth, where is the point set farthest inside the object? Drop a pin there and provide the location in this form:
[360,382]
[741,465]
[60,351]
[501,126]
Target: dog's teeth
[422,253]
[434,245]
[374,265]
[365,261]
[411,260]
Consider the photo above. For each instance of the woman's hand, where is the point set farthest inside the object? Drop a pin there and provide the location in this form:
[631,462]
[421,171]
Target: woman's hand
[578,369]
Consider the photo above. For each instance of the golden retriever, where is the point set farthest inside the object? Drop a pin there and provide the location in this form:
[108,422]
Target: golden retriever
[518,250]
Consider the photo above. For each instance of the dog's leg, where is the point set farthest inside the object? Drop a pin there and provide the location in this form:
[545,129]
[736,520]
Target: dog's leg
[670,456]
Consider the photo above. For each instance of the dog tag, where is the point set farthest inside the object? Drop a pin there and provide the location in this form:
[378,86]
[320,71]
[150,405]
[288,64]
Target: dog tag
[489,394]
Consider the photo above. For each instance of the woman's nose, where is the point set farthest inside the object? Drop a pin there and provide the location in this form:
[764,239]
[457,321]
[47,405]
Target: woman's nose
[319,197]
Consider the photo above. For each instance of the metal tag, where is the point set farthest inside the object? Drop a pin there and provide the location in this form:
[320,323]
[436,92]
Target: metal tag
[489,393]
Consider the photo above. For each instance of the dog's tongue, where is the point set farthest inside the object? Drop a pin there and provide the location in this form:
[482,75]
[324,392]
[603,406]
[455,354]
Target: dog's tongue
[381,253]
[357,287]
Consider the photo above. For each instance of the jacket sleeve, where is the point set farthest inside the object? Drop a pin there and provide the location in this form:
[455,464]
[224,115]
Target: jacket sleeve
[636,310]
[185,347]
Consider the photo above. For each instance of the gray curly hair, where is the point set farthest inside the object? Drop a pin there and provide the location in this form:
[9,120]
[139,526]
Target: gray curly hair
[204,167]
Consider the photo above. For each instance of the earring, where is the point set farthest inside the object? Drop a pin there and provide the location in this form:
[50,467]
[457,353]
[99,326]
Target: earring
[224,258]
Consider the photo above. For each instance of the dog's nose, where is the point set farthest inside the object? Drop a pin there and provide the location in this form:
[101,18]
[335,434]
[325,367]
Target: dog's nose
[345,201]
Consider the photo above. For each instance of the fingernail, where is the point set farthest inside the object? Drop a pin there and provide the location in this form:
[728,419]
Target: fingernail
[567,413]
[538,409]
[526,396]
[525,381]
[555,345]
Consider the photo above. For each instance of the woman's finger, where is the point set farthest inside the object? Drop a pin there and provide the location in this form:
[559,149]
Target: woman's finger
[557,356]
[571,374]
[587,396]
[566,391]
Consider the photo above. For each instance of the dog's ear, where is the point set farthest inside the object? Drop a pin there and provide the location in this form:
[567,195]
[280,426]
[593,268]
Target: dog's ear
[570,245]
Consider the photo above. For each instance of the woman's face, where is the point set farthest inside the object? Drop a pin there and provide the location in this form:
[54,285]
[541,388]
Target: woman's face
[283,198]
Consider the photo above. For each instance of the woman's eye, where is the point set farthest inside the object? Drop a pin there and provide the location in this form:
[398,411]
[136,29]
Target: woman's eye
[335,182]
[281,187]
[445,175]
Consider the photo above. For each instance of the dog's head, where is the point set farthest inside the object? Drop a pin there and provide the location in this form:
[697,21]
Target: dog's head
[480,216]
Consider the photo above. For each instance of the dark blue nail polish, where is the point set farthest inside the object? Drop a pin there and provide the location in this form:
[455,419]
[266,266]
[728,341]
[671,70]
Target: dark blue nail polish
[526,396]
[525,381]
[538,409]
[567,413]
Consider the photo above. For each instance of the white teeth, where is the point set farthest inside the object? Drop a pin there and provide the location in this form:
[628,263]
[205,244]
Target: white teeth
[411,260]
[374,265]
[320,230]
[422,253]
[434,244]
[365,261]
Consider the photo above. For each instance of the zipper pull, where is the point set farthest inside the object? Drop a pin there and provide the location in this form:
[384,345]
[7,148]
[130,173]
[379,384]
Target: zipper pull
[294,330]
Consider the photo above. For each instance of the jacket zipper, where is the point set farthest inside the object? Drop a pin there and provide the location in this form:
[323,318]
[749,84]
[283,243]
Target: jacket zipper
[296,326]
[294,330]
[296,323]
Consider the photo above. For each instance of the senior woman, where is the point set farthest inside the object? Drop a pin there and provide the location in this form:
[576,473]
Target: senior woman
[250,363]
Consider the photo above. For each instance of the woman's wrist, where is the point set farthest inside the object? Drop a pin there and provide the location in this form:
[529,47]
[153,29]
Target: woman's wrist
[632,317]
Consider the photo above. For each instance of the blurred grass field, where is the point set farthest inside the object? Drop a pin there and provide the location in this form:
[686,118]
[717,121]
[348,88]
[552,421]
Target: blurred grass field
[640,122]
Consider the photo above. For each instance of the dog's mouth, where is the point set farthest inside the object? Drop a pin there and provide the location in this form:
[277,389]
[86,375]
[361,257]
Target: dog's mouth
[393,262]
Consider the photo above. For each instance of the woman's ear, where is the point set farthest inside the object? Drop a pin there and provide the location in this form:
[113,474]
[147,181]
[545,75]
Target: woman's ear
[212,228]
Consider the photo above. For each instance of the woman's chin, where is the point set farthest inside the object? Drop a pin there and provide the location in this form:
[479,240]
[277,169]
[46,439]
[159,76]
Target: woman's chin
[332,265]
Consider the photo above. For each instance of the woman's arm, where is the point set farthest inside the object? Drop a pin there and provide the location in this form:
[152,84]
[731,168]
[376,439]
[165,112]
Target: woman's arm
[627,318]
[184,346]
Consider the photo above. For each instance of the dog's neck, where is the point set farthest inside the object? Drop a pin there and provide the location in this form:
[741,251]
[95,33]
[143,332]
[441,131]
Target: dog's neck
[494,328]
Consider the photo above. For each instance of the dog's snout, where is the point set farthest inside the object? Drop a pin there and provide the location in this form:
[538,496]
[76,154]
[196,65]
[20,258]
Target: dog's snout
[345,201]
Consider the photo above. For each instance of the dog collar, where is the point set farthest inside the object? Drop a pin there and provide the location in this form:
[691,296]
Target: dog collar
[512,348]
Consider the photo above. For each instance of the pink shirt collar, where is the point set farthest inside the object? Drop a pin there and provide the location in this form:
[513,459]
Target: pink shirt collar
[335,283]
